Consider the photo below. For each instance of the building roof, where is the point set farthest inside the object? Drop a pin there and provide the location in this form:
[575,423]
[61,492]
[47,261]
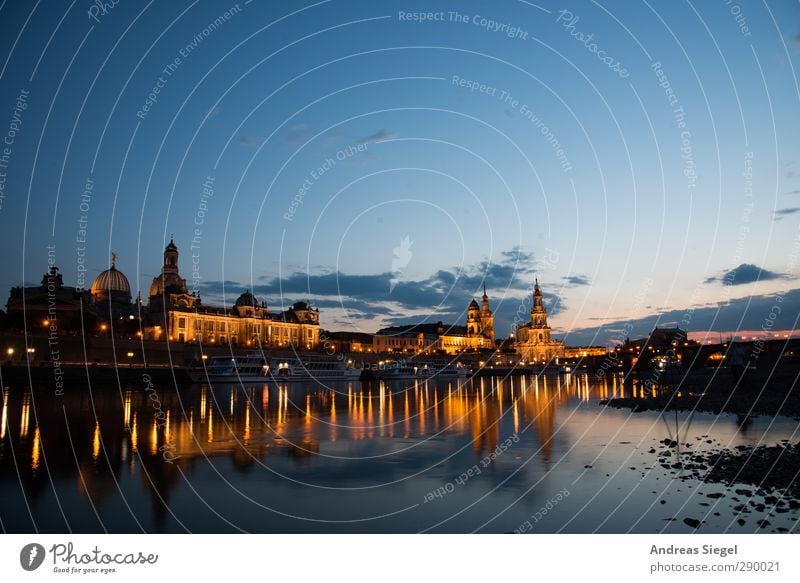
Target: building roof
[247,299]
[111,280]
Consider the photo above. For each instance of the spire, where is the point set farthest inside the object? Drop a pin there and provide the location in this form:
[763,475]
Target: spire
[113,260]
[484,291]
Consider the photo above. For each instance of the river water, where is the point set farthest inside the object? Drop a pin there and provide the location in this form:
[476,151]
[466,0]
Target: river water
[525,454]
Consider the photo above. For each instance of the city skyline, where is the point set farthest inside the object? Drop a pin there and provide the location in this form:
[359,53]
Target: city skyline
[389,181]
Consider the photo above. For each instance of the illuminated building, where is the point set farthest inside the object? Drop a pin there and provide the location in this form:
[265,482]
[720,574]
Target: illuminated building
[584,351]
[182,317]
[479,334]
[533,342]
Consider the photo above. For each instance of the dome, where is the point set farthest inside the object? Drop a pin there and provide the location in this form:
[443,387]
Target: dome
[111,284]
[171,246]
[473,305]
[247,299]
[300,306]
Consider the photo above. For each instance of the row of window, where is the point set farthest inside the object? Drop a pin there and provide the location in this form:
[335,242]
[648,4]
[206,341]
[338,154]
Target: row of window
[251,329]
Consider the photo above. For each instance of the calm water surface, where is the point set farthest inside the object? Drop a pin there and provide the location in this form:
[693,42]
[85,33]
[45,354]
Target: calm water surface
[401,457]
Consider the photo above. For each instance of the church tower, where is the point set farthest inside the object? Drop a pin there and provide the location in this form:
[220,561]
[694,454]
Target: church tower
[473,319]
[539,327]
[487,318]
[170,258]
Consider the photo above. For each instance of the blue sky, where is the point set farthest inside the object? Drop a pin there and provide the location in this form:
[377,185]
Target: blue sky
[334,131]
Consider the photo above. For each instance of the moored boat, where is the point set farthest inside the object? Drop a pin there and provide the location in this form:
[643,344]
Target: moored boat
[256,367]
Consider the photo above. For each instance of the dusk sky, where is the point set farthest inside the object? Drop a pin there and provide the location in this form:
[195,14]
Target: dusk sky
[387,166]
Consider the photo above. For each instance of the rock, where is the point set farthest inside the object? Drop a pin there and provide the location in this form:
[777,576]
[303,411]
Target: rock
[715,495]
[693,522]
[741,522]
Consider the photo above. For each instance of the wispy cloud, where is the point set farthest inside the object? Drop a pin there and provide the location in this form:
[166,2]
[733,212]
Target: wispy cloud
[780,213]
[377,137]
[301,133]
[251,141]
[576,280]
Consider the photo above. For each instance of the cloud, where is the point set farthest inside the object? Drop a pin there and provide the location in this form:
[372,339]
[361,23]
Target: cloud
[442,295]
[780,213]
[213,112]
[745,273]
[378,136]
[793,192]
[518,256]
[250,141]
[575,280]
[301,133]
[748,313]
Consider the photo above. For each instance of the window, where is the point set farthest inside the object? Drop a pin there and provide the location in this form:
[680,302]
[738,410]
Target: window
[222,326]
[182,323]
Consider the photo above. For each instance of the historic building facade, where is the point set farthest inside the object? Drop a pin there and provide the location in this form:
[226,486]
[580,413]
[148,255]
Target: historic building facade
[180,316]
[533,342]
[479,333]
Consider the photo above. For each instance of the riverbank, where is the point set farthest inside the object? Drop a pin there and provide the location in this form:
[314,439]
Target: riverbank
[757,393]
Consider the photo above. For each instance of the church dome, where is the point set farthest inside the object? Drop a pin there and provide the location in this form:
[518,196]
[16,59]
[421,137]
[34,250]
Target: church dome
[111,284]
[473,305]
[247,299]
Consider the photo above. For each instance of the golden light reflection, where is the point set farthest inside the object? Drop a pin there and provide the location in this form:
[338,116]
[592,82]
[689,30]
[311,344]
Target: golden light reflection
[25,415]
[435,411]
[332,423]
[127,409]
[96,441]
[370,422]
[390,420]
[4,416]
[407,415]
[35,452]
[134,435]
[485,410]
[246,437]
[154,439]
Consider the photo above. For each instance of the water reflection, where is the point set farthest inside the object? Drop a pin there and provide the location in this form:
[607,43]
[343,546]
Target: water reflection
[118,440]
